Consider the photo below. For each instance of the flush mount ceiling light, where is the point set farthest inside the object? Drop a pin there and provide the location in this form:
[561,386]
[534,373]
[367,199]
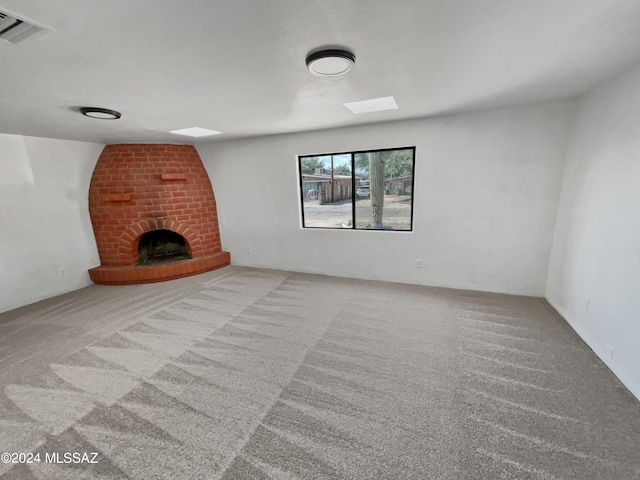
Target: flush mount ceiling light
[195,132]
[330,63]
[372,105]
[101,113]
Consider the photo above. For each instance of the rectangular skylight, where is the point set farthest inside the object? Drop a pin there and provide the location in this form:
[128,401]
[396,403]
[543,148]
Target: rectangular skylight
[14,30]
[195,132]
[372,105]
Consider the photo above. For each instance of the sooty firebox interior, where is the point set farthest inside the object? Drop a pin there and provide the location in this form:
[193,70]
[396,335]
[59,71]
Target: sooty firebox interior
[159,246]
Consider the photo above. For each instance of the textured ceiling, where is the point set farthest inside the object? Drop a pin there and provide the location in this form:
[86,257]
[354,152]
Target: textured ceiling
[237,66]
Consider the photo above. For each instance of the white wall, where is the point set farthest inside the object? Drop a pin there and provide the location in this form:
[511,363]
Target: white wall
[486,192]
[596,252]
[44,218]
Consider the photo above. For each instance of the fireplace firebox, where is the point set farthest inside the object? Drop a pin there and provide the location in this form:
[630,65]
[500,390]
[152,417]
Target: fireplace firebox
[161,246]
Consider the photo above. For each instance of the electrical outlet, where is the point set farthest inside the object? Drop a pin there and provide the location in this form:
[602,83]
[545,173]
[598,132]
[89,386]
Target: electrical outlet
[248,250]
[418,263]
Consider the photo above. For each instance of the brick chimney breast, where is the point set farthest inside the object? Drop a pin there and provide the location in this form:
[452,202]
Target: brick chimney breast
[141,188]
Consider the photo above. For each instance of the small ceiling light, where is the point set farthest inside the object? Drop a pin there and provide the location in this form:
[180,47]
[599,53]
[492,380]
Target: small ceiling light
[101,113]
[195,132]
[330,63]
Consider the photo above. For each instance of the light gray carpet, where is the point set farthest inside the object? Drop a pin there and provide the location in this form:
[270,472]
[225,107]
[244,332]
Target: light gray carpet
[257,374]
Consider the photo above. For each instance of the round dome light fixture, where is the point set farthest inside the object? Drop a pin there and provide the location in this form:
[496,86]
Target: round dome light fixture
[330,63]
[101,113]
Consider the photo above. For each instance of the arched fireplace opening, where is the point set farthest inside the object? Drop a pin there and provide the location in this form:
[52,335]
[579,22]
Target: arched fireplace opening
[161,246]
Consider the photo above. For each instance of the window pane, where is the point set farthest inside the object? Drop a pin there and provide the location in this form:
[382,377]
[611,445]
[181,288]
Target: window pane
[372,189]
[327,191]
[385,189]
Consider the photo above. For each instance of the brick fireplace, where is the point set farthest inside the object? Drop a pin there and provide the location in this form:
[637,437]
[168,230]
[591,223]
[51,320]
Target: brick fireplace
[154,215]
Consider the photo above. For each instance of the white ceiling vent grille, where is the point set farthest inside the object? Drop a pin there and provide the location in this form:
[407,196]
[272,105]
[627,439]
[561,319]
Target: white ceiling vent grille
[14,30]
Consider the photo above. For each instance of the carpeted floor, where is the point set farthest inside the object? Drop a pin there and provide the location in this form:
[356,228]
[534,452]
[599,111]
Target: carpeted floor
[258,374]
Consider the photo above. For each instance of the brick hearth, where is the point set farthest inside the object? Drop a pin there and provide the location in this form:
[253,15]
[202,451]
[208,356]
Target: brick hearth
[137,189]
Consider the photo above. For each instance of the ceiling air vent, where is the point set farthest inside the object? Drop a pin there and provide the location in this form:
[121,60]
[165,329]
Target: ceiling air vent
[14,30]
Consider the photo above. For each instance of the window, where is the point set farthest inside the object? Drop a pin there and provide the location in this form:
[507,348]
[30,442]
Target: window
[370,190]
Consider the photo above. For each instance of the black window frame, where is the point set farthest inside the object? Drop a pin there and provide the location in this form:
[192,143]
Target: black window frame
[353,154]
